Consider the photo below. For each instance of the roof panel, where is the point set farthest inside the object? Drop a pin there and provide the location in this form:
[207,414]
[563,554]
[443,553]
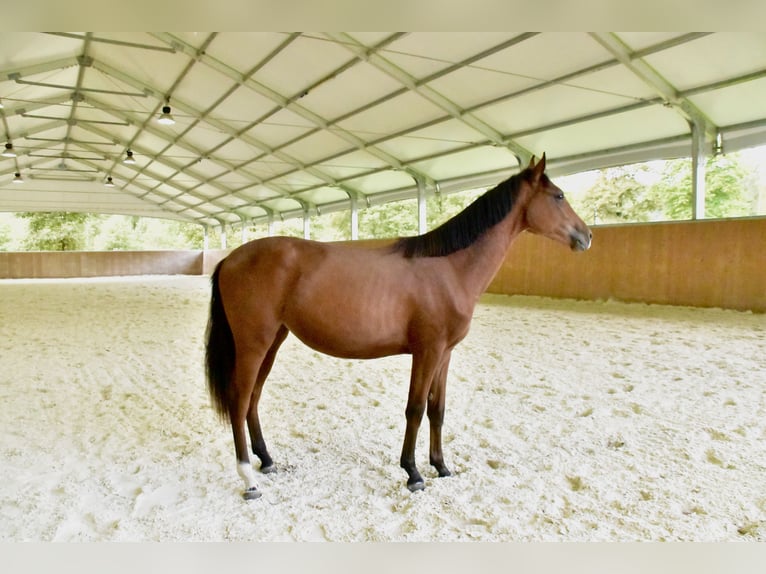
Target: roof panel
[482,159]
[237,152]
[421,105]
[615,80]
[153,67]
[422,54]
[318,145]
[438,139]
[253,211]
[201,87]
[267,167]
[711,59]
[642,40]
[392,116]
[241,50]
[23,48]
[242,108]
[548,56]
[280,128]
[472,86]
[351,164]
[282,204]
[638,126]
[296,181]
[300,65]
[323,195]
[205,138]
[352,89]
[735,104]
[381,182]
[259,193]
[548,106]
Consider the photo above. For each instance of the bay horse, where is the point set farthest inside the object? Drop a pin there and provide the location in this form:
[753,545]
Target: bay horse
[415,295]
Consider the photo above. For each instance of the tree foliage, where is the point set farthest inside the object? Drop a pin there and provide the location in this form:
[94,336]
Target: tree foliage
[5,236]
[728,190]
[639,193]
[56,231]
[618,196]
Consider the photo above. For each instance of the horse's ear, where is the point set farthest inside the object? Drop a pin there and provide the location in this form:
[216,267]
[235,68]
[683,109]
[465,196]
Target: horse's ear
[531,162]
[539,168]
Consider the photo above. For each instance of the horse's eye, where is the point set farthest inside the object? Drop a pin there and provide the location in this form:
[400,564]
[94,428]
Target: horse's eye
[559,197]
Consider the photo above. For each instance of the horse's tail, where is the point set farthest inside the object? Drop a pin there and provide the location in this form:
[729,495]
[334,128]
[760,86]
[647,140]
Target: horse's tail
[219,353]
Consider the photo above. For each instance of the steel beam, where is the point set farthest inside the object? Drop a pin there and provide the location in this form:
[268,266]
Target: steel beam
[612,43]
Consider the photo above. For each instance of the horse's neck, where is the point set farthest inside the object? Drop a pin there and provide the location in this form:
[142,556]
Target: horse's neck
[479,263]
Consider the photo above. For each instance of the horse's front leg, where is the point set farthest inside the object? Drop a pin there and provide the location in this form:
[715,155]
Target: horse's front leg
[436,403]
[423,368]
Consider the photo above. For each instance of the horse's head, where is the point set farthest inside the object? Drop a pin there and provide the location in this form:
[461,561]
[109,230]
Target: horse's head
[549,214]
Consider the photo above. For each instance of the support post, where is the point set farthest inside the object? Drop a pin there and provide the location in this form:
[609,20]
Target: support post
[223,236]
[698,171]
[422,210]
[306,223]
[205,238]
[354,218]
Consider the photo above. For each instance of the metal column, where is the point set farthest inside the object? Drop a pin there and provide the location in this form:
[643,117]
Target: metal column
[422,211]
[698,171]
[354,218]
[306,224]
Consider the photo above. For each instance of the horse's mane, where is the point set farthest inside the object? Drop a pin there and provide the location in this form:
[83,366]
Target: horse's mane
[465,228]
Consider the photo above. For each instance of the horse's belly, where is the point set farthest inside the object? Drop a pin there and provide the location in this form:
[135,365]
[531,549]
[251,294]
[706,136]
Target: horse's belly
[349,335]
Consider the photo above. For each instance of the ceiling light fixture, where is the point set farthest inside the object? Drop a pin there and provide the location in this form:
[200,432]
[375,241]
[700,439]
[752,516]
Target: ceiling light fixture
[165,118]
[129,159]
[109,182]
[17,178]
[9,151]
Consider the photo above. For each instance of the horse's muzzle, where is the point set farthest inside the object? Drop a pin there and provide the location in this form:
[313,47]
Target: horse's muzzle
[580,240]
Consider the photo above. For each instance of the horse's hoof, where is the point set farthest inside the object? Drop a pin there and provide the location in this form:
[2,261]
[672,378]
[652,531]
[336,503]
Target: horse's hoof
[268,469]
[416,486]
[251,493]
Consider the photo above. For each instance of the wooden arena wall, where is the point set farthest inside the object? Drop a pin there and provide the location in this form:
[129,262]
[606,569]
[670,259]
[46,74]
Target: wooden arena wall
[50,264]
[719,263]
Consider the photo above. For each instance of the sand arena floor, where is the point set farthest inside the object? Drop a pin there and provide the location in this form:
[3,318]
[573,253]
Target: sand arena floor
[566,420]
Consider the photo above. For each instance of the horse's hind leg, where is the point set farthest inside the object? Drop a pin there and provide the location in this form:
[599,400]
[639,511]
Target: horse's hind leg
[253,423]
[246,369]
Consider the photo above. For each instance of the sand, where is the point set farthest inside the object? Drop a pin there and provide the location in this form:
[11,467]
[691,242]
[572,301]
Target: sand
[566,421]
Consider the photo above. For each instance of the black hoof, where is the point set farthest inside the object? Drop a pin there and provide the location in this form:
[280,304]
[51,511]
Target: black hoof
[268,469]
[416,486]
[444,472]
[251,493]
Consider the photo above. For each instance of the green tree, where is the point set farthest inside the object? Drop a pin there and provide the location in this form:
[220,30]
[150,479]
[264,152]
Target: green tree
[5,236]
[56,231]
[384,221]
[618,196]
[120,233]
[400,218]
[192,234]
[729,191]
